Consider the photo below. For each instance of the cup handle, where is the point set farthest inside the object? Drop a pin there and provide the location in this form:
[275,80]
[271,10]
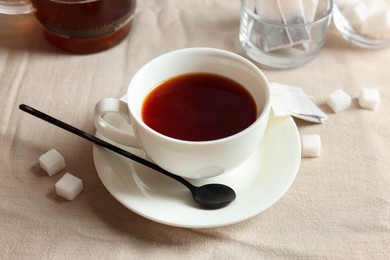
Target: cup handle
[108,130]
[15,7]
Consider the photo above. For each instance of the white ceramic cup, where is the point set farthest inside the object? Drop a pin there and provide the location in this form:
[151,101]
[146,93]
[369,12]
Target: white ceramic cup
[190,159]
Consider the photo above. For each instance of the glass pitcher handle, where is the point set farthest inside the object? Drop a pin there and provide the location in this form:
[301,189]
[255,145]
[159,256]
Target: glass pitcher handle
[15,7]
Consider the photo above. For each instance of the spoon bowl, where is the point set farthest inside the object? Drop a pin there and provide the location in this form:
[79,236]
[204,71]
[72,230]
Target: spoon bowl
[222,195]
[211,196]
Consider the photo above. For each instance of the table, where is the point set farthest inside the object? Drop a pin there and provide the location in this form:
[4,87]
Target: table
[337,208]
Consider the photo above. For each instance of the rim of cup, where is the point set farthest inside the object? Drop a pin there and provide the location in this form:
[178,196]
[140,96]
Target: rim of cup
[232,56]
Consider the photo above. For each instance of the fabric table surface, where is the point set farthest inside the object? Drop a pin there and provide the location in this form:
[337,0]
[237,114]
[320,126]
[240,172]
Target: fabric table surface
[338,207]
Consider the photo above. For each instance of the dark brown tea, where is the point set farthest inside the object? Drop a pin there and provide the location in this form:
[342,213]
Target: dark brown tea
[84,26]
[199,107]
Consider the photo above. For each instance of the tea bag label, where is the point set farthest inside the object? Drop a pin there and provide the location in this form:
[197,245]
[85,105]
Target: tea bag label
[290,100]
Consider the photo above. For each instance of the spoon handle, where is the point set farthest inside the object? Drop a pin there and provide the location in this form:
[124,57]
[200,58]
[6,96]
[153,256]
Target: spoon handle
[100,142]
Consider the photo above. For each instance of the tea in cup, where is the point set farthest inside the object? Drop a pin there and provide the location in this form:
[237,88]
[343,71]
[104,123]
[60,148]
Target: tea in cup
[196,112]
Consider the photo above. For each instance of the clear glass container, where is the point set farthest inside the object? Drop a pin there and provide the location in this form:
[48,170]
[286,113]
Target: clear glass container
[286,43]
[364,23]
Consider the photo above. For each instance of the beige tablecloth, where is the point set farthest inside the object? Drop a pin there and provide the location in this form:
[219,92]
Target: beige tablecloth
[337,208]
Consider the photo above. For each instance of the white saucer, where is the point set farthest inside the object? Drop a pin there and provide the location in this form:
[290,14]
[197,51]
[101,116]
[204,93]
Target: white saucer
[259,182]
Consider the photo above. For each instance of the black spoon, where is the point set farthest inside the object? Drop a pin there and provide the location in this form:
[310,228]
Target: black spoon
[213,196]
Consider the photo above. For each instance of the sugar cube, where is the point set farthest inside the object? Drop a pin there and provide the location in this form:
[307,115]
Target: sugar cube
[377,5]
[346,4]
[338,100]
[356,14]
[52,162]
[311,145]
[377,24]
[69,186]
[369,98]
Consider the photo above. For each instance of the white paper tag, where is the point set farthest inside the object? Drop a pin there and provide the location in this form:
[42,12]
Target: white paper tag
[293,13]
[284,12]
[271,37]
[288,100]
[310,9]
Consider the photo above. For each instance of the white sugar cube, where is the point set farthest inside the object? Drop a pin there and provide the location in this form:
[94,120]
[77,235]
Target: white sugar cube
[377,23]
[338,100]
[345,4]
[369,98]
[377,5]
[356,14]
[311,145]
[69,186]
[52,162]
